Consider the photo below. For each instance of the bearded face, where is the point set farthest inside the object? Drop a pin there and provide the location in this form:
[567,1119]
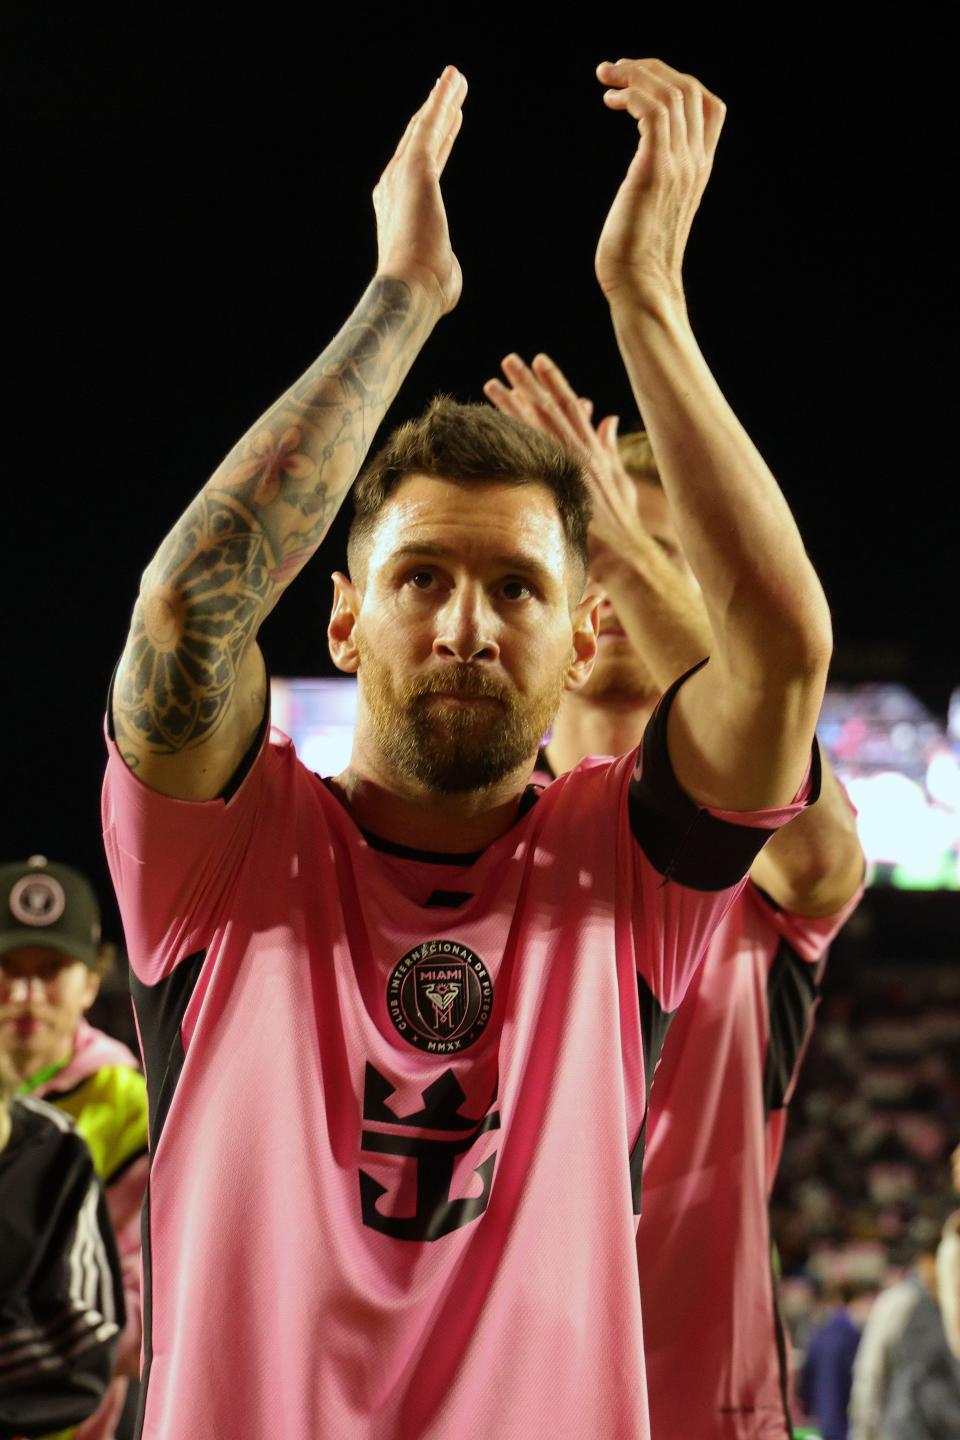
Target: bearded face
[456,730]
[469,621]
[621,675]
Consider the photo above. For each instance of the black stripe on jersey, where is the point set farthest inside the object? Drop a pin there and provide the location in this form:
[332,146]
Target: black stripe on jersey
[160,1009]
[682,841]
[780,1338]
[792,993]
[528,799]
[654,1024]
[447,899]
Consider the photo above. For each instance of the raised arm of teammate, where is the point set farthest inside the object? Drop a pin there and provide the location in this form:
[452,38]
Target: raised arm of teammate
[189,690]
[741,728]
[812,866]
[660,610]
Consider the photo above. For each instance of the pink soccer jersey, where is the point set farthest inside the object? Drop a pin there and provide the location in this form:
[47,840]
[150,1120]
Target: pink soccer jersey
[713,1342]
[397,1100]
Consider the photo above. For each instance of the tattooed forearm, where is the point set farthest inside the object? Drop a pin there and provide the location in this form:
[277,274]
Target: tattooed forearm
[305,453]
[254,526]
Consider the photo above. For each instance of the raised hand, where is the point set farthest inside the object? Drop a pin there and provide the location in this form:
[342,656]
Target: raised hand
[542,396]
[413,239]
[643,240]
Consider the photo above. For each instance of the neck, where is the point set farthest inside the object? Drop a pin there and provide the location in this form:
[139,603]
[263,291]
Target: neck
[600,726]
[408,813]
[25,1065]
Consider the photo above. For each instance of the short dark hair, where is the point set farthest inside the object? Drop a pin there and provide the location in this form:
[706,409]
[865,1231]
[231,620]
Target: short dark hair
[470,445]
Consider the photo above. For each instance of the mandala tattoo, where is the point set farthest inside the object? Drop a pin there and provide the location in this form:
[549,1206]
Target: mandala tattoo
[189,634]
[252,529]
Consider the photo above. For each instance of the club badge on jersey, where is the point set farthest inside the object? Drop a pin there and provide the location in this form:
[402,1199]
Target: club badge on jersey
[439,996]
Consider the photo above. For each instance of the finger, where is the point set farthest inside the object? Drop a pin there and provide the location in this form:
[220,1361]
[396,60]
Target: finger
[504,399]
[541,409]
[563,395]
[692,92]
[523,379]
[614,72]
[607,432]
[655,101]
[586,406]
[447,146]
[714,114]
[417,119]
[552,410]
[653,119]
[437,114]
[405,137]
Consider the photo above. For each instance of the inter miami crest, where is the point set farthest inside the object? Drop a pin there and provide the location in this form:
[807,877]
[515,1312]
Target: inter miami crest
[440,996]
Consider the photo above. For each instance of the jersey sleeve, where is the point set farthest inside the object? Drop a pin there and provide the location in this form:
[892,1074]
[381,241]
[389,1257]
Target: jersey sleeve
[174,863]
[691,860]
[809,936]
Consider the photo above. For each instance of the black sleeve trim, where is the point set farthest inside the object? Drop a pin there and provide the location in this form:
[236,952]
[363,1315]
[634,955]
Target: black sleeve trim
[160,1009]
[543,763]
[792,994]
[682,841]
[654,1024]
[256,744]
[246,764]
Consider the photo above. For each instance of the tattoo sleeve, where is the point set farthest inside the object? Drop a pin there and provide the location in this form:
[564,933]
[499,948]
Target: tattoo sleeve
[254,526]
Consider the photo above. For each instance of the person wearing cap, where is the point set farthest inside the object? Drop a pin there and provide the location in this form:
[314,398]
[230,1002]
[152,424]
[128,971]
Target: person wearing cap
[61,1295]
[51,966]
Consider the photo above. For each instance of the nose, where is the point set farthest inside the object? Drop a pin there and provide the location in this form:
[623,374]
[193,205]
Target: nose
[466,626]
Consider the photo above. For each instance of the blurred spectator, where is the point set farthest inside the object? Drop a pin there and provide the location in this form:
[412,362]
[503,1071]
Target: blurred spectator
[51,965]
[906,1382]
[827,1372]
[61,1296]
[948,1268]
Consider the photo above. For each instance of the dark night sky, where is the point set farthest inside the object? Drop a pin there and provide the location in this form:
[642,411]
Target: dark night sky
[191,223]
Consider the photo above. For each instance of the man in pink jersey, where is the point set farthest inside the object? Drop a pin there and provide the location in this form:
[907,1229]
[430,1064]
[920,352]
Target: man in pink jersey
[452,981]
[730,1059]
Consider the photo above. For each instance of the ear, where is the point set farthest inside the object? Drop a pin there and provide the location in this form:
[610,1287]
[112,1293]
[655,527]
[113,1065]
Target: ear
[586,626]
[92,988]
[341,631]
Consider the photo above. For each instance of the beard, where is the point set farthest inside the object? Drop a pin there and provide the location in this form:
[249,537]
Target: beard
[453,750]
[621,679]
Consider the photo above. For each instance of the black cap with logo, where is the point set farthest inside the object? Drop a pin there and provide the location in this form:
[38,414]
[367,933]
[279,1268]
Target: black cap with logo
[48,904]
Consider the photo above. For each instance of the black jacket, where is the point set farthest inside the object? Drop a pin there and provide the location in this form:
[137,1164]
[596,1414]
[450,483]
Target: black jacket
[61,1293]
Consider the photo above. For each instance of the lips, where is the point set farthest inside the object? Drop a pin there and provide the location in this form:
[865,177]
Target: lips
[465,699]
[24,1025]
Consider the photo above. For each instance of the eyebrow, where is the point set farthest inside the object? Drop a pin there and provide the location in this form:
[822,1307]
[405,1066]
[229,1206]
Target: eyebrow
[525,564]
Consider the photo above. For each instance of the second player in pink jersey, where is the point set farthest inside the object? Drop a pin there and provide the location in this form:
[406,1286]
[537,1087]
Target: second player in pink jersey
[399,1024]
[731,1052]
